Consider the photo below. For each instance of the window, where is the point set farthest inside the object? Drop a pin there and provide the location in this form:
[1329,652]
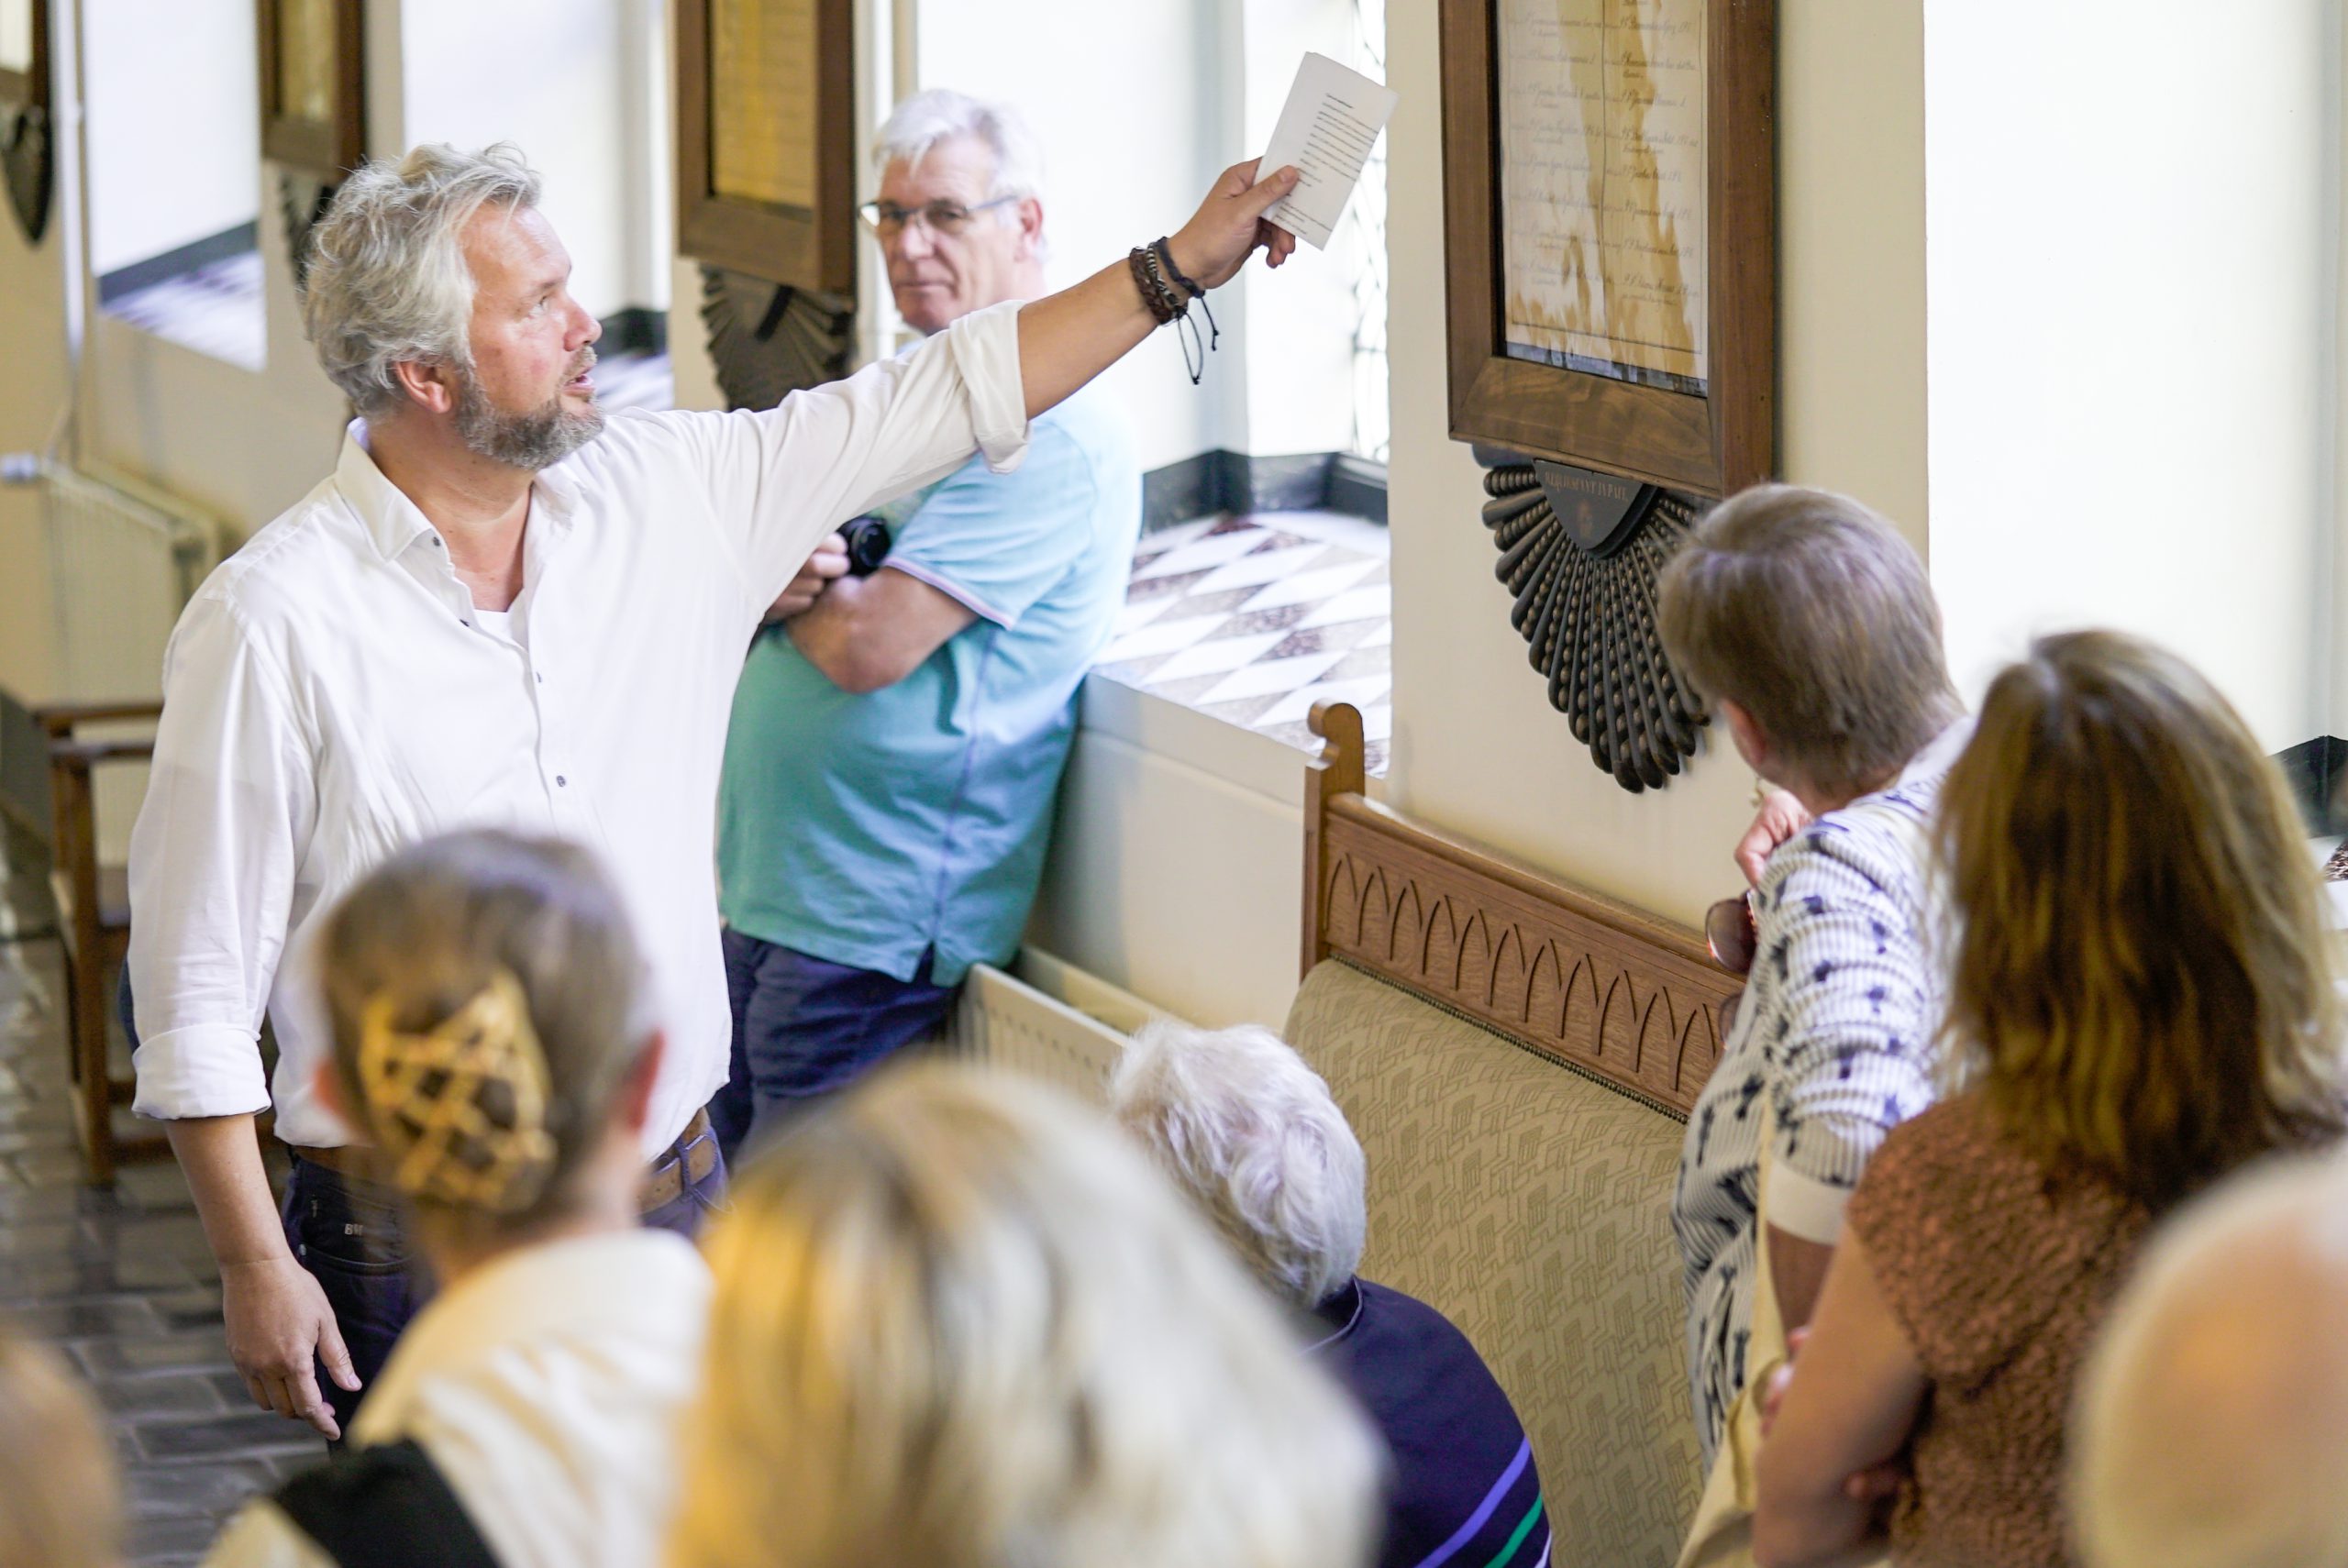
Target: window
[174,171]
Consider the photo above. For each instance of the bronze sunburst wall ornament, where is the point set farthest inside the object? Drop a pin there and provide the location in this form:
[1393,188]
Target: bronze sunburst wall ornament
[28,156]
[303,198]
[766,338]
[1581,552]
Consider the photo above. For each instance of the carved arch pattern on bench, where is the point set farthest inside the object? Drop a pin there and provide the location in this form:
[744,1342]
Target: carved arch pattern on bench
[1599,986]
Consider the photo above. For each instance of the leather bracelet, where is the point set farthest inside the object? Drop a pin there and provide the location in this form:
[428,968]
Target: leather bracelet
[1154,292]
[1166,254]
[1174,300]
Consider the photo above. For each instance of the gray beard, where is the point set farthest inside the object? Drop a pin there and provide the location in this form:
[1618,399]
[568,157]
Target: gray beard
[534,440]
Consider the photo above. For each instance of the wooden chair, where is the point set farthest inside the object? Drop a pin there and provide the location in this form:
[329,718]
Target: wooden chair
[93,921]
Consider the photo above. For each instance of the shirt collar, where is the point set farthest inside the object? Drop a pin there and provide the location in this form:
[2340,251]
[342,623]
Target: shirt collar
[394,523]
[636,1285]
[1339,1314]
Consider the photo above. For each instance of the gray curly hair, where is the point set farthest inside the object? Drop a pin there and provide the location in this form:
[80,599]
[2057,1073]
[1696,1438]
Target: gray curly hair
[1251,1133]
[387,281]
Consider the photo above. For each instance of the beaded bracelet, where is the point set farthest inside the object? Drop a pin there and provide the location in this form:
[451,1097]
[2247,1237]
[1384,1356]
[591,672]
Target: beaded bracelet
[1166,305]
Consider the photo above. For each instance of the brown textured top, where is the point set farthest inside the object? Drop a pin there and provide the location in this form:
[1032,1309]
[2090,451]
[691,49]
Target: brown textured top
[2000,1277]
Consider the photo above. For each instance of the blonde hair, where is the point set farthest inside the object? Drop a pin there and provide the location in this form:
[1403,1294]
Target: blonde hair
[1252,1134]
[2142,984]
[60,1504]
[961,1323]
[1808,611]
[483,992]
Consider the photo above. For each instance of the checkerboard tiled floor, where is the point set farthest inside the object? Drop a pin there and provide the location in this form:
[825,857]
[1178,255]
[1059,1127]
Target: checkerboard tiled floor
[1255,619]
[214,309]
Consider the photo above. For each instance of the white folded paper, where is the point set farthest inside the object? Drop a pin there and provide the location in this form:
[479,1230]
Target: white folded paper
[1327,129]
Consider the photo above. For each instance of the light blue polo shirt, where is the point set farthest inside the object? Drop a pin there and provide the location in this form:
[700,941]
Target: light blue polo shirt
[866,829]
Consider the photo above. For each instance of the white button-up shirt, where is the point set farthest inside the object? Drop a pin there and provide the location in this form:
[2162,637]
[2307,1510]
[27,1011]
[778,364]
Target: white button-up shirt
[331,695]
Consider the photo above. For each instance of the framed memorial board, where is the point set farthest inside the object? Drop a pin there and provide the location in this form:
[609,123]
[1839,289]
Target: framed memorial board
[314,85]
[766,132]
[28,140]
[1610,195]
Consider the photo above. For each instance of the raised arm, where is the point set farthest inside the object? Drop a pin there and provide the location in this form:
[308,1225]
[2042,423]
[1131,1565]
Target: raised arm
[1066,339]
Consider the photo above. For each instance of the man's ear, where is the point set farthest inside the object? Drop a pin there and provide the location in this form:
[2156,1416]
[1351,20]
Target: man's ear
[634,1104]
[1031,228]
[427,386]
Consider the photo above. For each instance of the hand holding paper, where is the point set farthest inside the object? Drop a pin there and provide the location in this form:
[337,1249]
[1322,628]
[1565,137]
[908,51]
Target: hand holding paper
[1331,121]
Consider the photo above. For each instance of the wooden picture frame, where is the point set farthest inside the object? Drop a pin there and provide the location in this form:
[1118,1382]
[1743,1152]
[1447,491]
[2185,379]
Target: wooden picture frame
[806,240]
[26,91]
[1710,442]
[315,125]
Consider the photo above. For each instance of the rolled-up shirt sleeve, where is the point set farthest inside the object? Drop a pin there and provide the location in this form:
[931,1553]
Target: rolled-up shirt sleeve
[230,803]
[786,476]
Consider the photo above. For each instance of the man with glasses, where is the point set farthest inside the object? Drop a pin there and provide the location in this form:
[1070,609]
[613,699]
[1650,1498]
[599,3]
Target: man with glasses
[898,736]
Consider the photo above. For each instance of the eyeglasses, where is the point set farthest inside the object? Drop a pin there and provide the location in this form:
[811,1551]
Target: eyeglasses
[888,220]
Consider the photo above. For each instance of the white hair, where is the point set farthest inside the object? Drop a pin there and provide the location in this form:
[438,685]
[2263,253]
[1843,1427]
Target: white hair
[387,281]
[1253,1135]
[2212,1430]
[941,114]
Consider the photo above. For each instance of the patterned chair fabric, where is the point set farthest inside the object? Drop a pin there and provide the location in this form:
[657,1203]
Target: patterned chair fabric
[1532,1206]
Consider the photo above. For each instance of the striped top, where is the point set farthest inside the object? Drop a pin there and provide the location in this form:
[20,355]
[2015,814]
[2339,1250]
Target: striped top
[1462,1488]
[1838,1027]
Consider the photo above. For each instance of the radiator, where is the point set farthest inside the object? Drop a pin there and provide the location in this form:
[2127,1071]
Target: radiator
[1056,1022]
[123,561]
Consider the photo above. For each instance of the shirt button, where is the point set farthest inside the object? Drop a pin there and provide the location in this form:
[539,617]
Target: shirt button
[562,782]
[542,681]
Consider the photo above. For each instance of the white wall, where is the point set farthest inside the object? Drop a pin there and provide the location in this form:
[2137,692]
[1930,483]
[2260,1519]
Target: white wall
[1130,140]
[557,77]
[2130,264]
[174,127]
[1476,747]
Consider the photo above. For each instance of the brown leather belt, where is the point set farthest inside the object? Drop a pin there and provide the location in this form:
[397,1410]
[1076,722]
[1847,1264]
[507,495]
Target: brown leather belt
[691,1158]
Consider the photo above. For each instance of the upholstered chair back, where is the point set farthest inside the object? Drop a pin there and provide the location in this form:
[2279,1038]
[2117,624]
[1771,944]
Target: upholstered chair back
[1531,1204]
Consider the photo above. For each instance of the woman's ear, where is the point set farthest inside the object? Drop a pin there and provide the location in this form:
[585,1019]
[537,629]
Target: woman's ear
[327,1087]
[1752,742]
[634,1105]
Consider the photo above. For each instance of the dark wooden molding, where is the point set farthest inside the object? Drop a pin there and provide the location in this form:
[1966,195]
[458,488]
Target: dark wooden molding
[2317,772]
[1223,480]
[324,150]
[805,247]
[1712,445]
[1602,986]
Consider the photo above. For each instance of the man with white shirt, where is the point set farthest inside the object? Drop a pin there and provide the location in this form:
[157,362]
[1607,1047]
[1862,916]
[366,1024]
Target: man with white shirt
[500,612]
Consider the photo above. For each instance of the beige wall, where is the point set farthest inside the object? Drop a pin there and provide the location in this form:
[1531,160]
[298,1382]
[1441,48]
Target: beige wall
[2132,314]
[32,344]
[1476,747]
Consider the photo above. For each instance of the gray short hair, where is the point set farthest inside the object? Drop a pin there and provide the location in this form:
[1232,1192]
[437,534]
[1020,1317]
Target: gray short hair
[942,115]
[2211,1427]
[1253,1135]
[387,281]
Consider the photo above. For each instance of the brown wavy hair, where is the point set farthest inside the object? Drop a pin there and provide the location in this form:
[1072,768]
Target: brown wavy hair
[2142,982]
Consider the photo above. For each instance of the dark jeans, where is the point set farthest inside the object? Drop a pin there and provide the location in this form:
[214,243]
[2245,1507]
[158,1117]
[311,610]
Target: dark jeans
[348,1232]
[805,1027]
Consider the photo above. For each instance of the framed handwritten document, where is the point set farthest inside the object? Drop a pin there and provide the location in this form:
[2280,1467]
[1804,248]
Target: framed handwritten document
[766,137]
[1609,193]
[313,86]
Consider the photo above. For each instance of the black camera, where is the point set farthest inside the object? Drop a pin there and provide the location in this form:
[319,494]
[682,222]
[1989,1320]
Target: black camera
[867,546]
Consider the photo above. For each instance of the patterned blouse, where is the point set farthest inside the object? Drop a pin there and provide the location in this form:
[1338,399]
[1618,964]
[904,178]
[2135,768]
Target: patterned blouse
[2000,1275]
[1838,1027]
